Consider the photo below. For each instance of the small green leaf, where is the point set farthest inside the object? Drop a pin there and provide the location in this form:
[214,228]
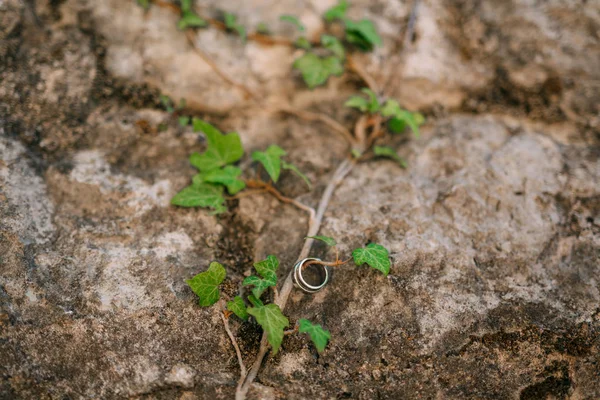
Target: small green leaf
[329,240]
[271,160]
[356,153]
[316,70]
[266,268]
[222,149]
[302,43]
[319,336]
[293,20]
[357,102]
[375,255]
[263,28]
[167,103]
[227,176]
[334,45]
[232,24]
[373,102]
[386,151]
[186,5]
[273,322]
[206,284]
[391,108]
[396,125]
[255,302]
[336,12]
[184,121]
[362,34]
[294,169]
[201,195]
[238,307]
[145,4]
[190,19]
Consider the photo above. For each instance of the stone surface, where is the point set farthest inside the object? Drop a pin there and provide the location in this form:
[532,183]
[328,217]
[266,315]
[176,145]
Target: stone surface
[493,230]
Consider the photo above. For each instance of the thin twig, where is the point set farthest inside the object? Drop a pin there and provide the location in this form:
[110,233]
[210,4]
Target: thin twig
[342,170]
[327,120]
[335,263]
[364,75]
[190,37]
[243,370]
[360,131]
[252,183]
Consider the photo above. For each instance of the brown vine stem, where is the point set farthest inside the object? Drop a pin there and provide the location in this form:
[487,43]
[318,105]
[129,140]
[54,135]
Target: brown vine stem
[327,120]
[256,184]
[243,370]
[364,75]
[247,92]
[340,173]
[335,263]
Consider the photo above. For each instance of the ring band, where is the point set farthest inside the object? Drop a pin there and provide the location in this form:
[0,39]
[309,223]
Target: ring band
[302,284]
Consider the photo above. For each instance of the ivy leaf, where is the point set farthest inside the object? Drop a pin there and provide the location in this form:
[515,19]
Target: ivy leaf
[201,195]
[371,105]
[294,169]
[232,24]
[186,5]
[262,28]
[222,149]
[303,43]
[316,70]
[329,240]
[190,19]
[183,121]
[375,255]
[362,34]
[273,322]
[336,12]
[266,268]
[206,284]
[238,307]
[227,176]
[271,160]
[319,336]
[293,20]
[334,45]
[167,103]
[386,151]
[391,108]
[145,4]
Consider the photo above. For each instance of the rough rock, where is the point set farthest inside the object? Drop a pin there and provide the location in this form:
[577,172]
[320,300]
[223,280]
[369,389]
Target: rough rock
[494,229]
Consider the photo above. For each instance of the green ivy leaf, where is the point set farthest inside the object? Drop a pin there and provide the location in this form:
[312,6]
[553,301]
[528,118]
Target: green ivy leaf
[316,70]
[232,24]
[294,169]
[186,5]
[238,307]
[375,255]
[263,28]
[273,322]
[303,43]
[201,195]
[167,103]
[362,34]
[365,105]
[206,284]
[190,19]
[386,151]
[356,153]
[145,4]
[271,160]
[222,149]
[329,240]
[266,268]
[227,176]
[319,336]
[183,121]
[336,12]
[334,45]
[391,108]
[293,20]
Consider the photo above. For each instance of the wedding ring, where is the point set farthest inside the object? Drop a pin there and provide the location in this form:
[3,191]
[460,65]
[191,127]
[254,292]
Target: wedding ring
[301,282]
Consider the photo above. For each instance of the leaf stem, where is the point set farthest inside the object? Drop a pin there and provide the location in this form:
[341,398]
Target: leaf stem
[243,370]
[335,263]
[327,120]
